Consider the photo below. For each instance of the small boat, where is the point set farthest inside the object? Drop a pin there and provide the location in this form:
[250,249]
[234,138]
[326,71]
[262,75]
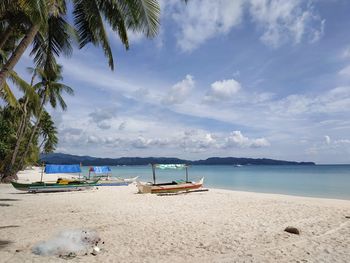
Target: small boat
[174,186]
[128,180]
[169,187]
[37,187]
[61,185]
[111,182]
[104,174]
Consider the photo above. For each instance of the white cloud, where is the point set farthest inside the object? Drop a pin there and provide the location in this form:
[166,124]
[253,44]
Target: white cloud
[223,90]
[335,100]
[122,126]
[286,20]
[237,139]
[327,139]
[342,141]
[198,141]
[102,117]
[345,72]
[180,91]
[346,53]
[260,142]
[201,20]
[282,21]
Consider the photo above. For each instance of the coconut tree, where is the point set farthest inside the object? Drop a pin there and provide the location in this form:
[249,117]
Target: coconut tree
[50,91]
[48,133]
[36,14]
[90,20]
[27,105]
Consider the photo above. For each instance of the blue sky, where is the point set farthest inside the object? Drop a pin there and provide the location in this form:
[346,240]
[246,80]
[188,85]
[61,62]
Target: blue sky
[245,78]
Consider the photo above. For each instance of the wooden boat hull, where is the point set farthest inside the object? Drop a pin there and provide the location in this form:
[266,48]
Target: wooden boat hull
[169,188]
[53,187]
[115,181]
[111,183]
[129,180]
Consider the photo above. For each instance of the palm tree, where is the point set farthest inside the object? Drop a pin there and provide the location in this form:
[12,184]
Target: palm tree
[90,17]
[28,105]
[49,90]
[34,13]
[48,133]
[5,50]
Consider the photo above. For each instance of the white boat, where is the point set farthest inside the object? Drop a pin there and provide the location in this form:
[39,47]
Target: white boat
[171,187]
[128,180]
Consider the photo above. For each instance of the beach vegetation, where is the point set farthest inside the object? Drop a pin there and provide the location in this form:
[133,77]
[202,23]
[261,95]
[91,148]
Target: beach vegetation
[45,25]
[49,31]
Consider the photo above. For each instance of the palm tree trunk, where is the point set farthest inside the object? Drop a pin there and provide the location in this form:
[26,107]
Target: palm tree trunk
[42,143]
[33,132]
[20,136]
[5,36]
[22,131]
[16,55]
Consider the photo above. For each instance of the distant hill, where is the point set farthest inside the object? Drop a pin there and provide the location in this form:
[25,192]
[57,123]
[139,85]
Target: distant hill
[61,158]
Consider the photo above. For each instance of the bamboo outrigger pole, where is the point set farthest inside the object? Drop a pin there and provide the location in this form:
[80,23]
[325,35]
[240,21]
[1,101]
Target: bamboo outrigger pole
[42,171]
[154,173]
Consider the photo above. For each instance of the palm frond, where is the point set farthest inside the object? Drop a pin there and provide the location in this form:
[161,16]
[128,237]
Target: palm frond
[56,41]
[7,95]
[61,101]
[145,15]
[37,10]
[27,89]
[113,13]
[90,27]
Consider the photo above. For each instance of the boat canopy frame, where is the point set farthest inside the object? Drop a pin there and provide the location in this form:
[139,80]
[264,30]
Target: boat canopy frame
[169,166]
[102,171]
[60,168]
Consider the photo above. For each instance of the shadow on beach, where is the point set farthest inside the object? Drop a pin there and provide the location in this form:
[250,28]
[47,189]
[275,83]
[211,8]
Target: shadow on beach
[9,200]
[9,226]
[4,243]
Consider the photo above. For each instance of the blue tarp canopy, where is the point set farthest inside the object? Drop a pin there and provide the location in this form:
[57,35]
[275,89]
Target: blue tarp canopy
[101,169]
[62,169]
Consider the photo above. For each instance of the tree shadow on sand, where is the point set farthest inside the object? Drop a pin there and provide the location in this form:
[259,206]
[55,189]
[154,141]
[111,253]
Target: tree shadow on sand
[9,226]
[4,243]
[9,199]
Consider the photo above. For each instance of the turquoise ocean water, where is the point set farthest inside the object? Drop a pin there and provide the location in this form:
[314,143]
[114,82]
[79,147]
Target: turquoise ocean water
[328,181]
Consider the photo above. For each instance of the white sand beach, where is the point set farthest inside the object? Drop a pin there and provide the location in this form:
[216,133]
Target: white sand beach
[214,226]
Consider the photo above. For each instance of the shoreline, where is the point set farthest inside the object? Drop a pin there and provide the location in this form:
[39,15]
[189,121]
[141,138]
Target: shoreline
[284,195]
[33,174]
[214,226]
[262,194]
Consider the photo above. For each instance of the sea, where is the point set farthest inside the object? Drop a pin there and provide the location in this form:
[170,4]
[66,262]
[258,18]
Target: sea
[326,181]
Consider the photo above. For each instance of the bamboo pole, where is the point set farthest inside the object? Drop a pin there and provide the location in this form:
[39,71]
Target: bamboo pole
[154,173]
[186,174]
[42,172]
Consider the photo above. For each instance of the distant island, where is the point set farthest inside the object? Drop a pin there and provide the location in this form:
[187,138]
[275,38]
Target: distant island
[61,158]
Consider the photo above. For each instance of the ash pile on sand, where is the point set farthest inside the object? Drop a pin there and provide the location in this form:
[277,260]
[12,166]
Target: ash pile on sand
[70,243]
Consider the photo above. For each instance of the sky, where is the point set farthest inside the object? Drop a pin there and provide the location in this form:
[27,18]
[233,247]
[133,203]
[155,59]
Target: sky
[243,78]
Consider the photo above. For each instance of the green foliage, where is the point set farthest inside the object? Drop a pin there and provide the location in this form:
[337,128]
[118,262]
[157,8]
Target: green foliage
[48,133]
[6,136]
[43,25]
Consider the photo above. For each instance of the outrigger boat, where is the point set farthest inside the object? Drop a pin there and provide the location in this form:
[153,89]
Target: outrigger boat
[61,185]
[174,186]
[103,173]
[54,187]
